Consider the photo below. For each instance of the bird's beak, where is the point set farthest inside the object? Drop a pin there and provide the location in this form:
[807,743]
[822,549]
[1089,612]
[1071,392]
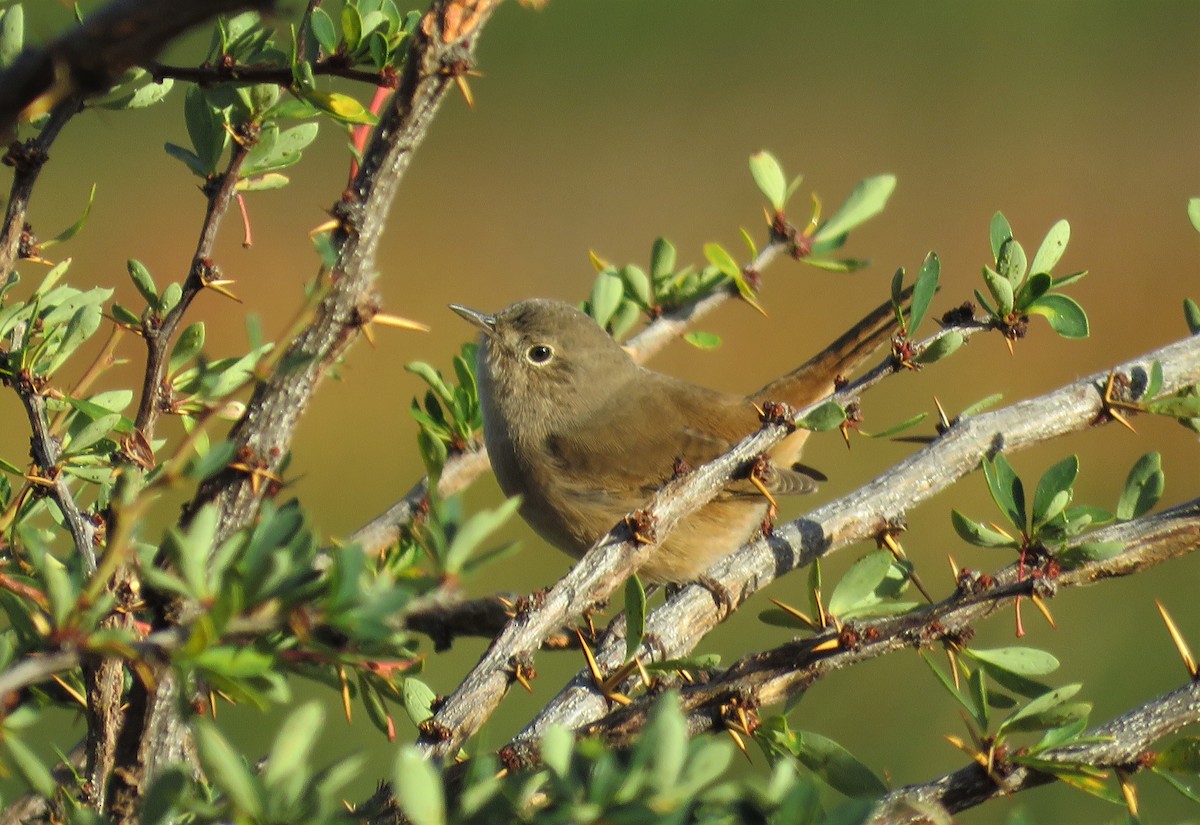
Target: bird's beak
[485,322]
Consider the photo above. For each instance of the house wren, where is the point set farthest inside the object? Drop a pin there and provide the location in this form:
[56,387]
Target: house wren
[585,435]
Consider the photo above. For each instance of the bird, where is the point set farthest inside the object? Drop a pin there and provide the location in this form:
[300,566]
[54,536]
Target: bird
[585,435]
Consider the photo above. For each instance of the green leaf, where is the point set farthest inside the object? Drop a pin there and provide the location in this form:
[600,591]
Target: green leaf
[703,340]
[662,259]
[981,405]
[1182,757]
[861,582]
[828,416]
[768,177]
[475,530]
[1039,712]
[224,765]
[32,770]
[190,342]
[323,30]
[923,290]
[1052,248]
[1065,315]
[637,285]
[941,347]
[1001,289]
[899,428]
[1177,785]
[206,128]
[352,26]
[12,34]
[607,291]
[1143,487]
[418,699]
[418,789]
[722,260]
[1006,489]
[1193,211]
[837,766]
[980,535]
[189,158]
[340,107]
[865,202]
[1012,264]
[555,749]
[75,228]
[1154,381]
[143,281]
[1000,233]
[1035,287]
[1088,553]
[92,433]
[293,746]
[635,615]
[1054,490]
[1182,405]
[1023,661]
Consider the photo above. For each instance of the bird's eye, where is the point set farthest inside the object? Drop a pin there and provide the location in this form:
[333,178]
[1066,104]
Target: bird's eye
[539,354]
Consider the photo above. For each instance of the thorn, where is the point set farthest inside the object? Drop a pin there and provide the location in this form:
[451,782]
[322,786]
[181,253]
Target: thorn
[791,611]
[368,334]
[943,419]
[1120,419]
[460,80]
[598,677]
[1008,341]
[71,691]
[389,320]
[212,705]
[345,693]
[218,286]
[762,488]
[1128,791]
[328,226]
[1181,645]
[1043,609]
[522,679]
[954,568]
[828,644]
[737,740]
[952,658]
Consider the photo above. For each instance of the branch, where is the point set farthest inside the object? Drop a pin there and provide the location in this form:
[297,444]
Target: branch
[679,624]
[1121,743]
[207,73]
[220,191]
[90,57]
[443,45]
[773,676]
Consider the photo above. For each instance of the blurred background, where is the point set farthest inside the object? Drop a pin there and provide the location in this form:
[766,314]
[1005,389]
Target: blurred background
[601,125]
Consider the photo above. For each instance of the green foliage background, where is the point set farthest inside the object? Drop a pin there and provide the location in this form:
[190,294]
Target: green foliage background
[600,124]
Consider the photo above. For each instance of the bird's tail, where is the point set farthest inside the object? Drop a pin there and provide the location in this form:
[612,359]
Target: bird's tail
[814,380]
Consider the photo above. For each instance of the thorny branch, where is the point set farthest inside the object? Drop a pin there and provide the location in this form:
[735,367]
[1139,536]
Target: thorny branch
[773,676]
[1116,744]
[863,514]
[444,43]
[90,57]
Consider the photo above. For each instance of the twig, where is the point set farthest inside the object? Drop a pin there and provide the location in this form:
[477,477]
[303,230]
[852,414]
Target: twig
[437,51]
[329,67]
[221,191]
[773,676]
[90,57]
[1117,744]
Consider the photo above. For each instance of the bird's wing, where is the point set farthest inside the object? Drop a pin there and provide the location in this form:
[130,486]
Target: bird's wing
[654,429]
